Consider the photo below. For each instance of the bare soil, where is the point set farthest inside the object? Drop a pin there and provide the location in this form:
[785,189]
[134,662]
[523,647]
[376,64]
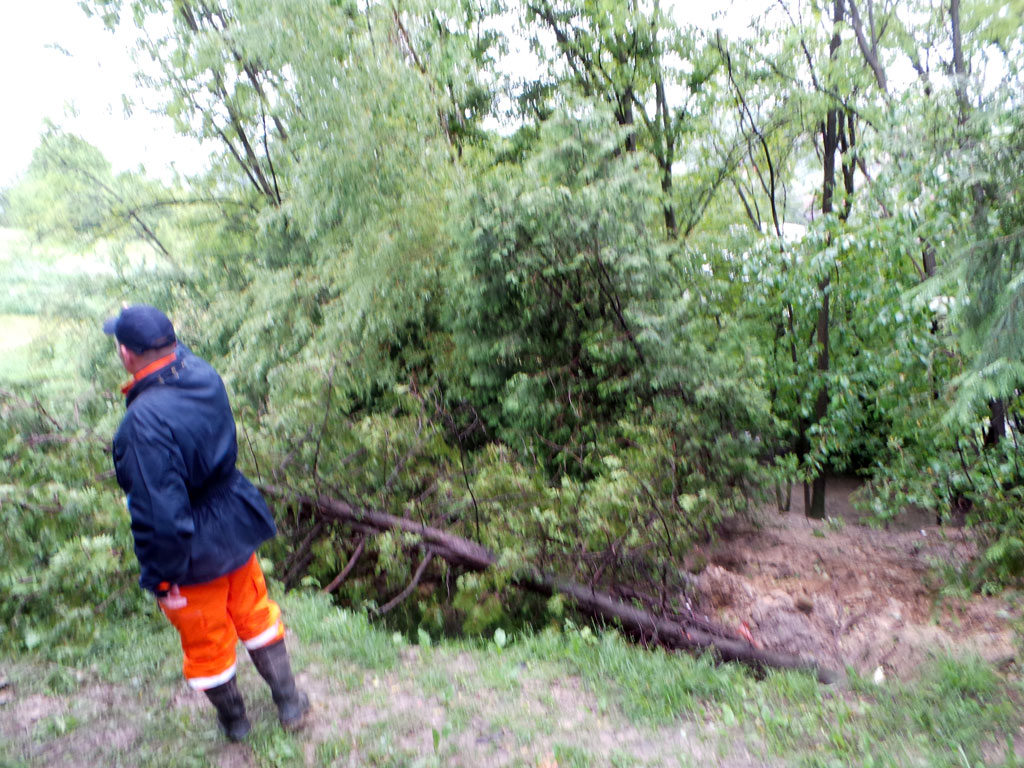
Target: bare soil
[846,594]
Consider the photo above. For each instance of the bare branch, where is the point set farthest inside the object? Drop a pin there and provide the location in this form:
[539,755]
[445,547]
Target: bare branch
[336,581]
[868,49]
[394,602]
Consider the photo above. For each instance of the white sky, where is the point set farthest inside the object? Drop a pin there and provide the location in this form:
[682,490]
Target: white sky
[40,81]
[80,87]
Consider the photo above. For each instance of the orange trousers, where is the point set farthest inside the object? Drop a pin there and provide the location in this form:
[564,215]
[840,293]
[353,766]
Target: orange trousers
[218,613]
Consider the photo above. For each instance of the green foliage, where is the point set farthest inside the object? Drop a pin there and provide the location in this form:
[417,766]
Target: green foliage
[63,188]
[584,351]
[560,271]
[953,443]
[67,545]
[70,195]
[990,272]
[655,77]
[510,339]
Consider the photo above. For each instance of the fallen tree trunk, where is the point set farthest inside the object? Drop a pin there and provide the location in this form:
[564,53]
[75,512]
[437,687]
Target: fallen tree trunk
[674,634]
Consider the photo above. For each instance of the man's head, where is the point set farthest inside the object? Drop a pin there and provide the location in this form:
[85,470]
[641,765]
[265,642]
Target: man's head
[143,334]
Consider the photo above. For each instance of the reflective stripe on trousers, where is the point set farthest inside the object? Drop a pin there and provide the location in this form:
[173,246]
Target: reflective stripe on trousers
[216,614]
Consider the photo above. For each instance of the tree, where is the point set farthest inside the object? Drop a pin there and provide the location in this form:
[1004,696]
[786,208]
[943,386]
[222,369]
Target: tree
[582,353]
[654,76]
[817,80]
[216,89]
[70,193]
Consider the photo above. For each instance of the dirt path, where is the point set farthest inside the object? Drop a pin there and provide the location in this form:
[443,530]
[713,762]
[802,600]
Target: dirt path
[848,594]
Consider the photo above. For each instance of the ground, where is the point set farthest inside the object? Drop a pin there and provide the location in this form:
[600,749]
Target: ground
[852,597]
[847,594]
[434,708]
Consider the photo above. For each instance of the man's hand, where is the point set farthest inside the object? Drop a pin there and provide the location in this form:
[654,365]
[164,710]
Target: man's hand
[174,600]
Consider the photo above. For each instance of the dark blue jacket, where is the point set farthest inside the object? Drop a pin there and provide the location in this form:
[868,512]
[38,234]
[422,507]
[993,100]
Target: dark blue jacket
[195,517]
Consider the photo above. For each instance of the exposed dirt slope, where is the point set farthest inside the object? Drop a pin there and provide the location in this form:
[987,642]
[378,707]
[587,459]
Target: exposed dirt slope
[848,594]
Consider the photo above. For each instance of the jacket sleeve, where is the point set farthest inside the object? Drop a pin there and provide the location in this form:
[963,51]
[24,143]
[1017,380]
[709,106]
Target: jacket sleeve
[151,470]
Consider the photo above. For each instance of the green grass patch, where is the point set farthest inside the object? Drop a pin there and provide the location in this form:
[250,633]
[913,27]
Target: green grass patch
[330,632]
[143,649]
[275,748]
[572,757]
[54,727]
[18,354]
[958,713]
[653,687]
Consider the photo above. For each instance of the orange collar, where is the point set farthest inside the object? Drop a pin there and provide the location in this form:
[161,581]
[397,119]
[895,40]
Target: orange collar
[153,367]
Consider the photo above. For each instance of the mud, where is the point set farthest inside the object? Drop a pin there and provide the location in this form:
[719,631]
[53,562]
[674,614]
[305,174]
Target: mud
[846,594]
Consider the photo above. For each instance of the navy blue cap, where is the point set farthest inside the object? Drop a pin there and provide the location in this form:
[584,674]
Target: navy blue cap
[141,328]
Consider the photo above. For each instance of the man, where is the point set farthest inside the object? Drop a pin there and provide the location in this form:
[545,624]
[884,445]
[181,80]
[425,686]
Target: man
[197,521]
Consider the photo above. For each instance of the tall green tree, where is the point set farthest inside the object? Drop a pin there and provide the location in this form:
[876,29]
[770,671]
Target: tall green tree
[655,76]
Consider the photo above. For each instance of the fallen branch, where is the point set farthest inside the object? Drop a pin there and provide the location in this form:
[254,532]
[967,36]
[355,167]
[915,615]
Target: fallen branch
[390,604]
[348,567]
[671,634]
[681,635]
[302,555]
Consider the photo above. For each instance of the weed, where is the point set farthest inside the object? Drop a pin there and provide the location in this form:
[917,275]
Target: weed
[335,633]
[435,680]
[333,751]
[835,524]
[501,676]
[273,747]
[53,727]
[376,747]
[655,687]
[144,648]
[61,681]
[185,755]
[573,757]
[9,760]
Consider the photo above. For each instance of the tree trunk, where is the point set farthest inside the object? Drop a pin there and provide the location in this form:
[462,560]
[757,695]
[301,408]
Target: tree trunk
[830,140]
[959,66]
[996,422]
[669,633]
[666,156]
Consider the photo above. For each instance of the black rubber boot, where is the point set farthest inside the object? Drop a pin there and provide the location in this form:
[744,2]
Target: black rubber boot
[272,663]
[230,710]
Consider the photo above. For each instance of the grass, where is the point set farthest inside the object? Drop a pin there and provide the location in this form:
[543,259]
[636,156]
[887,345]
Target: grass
[514,702]
[340,635]
[17,332]
[652,688]
[17,351]
[952,716]
[44,292]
